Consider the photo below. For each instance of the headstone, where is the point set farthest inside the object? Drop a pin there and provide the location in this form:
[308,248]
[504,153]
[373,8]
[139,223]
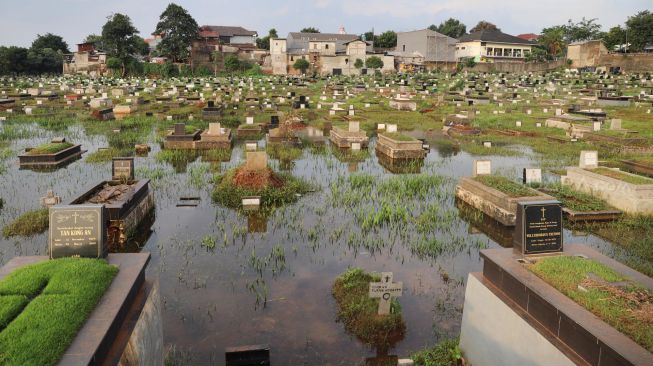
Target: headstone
[482,167]
[50,199]
[354,126]
[487,143]
[539,227]
[215,129]
[122,168]
[77,231]
[589,159]
[385,291]
[380,126]
[355,145]
[251,145]
[615,124]
[391,128]
[180,129]
[532,175]
[518,123]
[256,160]
[596,126]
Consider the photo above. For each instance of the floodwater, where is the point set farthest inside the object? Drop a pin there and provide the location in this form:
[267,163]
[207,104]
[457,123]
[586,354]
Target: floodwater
[213,299]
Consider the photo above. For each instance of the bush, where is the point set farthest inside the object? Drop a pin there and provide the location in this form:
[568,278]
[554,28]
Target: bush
[301,65]
[374,62]
[445,353]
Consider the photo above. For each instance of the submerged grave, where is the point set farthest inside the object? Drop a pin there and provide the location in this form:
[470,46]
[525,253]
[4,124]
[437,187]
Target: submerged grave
[52,155]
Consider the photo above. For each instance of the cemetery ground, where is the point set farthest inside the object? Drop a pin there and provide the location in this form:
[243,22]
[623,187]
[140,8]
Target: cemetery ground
[273,274]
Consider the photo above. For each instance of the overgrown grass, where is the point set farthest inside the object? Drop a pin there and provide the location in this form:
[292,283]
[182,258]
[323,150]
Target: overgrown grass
[28,224]
[358,311]
[628,178]
[49,148]
[575,200]
[445,353]
[590,284]
[43,306]
[105,155]
[230,195]
[398,136]
[505,185]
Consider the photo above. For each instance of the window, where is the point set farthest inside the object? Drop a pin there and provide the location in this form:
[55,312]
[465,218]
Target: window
[292,58]
[516,52]
[507,52]
[483,44]
[326,46]
[489,51]
[498,51]
[404,48]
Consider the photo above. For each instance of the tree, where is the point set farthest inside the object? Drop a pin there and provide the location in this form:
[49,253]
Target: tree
[178,30]
[585,30]
[359,63]
[51,41]
[640,30]
[552,41]
[453,28]
[13,60]
[368,36]
[484,25]
[95,39]
[374,62]
[301,65]
[120,39]
[142,48]
[231,63]
[264,43]
[387,39]
[615,37]
[310,30]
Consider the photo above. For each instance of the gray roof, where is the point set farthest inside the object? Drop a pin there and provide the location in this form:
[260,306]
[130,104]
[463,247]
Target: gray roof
[493,36]
[323,37]
[229,31]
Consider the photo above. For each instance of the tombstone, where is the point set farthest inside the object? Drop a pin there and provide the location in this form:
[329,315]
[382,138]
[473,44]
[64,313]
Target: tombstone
[251,146]
[518,123]
[274,121]
[487,144]
[538,227]
[50,199]
[482,167]
[354,126]
[122,169]
[380,126]
[596,126]
[77,231]
[558,112]
[532,176]
[589,159]
[385,291]
[180,129]
[355,146]
[214,129]
[391,128]
[538,124]
[256,160]
[615,124]
[251,202]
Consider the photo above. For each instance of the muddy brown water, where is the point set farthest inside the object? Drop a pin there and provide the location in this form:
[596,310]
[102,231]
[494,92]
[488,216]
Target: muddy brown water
[210,296]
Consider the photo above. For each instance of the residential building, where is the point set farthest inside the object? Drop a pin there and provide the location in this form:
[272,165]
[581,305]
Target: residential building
[87,60]
[217,34]
[327,53]
[529,37]
[425,50]
[216,42]
[586,53]
[492,46]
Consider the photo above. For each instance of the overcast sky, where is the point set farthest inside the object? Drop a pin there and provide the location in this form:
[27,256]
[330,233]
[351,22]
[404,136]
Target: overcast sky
[22,20]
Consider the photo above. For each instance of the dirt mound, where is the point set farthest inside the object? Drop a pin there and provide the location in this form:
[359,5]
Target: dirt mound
[257,179]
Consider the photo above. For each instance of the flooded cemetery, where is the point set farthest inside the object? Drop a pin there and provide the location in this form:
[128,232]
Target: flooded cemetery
[268,204]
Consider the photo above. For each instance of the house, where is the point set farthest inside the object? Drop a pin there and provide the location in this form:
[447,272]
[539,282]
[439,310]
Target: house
[425,50]
[586,53]
[492,46]
[218,34]
[529,37]
[327,53]
[153,41]
[87,60]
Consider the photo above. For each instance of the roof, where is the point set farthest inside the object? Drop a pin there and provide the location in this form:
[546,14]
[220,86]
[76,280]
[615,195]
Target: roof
[358,39]
[493,36]
[578,43]
[323,37]
[224,31]
[528,36]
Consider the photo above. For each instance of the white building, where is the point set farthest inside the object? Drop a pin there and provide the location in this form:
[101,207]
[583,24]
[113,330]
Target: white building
[492,46]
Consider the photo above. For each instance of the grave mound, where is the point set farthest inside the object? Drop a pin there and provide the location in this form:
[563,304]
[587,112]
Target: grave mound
[257,179]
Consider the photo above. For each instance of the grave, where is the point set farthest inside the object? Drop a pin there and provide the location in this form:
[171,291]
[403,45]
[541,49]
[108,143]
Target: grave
[50,156]
[538,228]
[385,291]
[532,176]
[399,147]
[215,137]
[181,137]
[345,138]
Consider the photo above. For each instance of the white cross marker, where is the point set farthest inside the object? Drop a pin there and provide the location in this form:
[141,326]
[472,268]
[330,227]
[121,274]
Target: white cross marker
[385,291]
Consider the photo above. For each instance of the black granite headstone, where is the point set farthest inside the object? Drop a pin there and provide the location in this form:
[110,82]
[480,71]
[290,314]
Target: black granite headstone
[539,227]
[180,129]
[77,231]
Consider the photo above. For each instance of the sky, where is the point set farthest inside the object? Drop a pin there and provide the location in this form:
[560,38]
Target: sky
[21,21]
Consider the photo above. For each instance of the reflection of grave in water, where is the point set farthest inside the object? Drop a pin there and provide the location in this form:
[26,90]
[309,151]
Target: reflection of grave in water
[482,223]
[257,222]
[400,166]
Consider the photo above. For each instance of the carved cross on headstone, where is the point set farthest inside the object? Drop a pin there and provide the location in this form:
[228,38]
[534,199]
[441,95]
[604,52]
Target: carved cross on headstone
[385,291]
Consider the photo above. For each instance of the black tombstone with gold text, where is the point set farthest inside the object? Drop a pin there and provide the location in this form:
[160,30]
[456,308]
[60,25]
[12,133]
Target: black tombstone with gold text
[122,169]
[539,227]
[78,231]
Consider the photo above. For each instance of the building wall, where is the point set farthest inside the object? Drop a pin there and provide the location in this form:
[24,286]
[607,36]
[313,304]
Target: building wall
[86,63]
[410,42]
[468,49]
[586,54]
[480,53]
[346,64]
[640,62]
[322,48]
[517,66]
[278,56]
[243,40]
[357,49]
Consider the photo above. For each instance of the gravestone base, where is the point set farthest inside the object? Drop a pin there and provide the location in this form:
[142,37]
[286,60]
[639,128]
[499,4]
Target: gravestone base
[400,149]
[343,138]
[55,160]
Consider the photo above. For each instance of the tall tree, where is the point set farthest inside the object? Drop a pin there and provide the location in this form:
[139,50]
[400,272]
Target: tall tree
[552,41]
[179,30]
[13,60]
[387,39]
[51,41]
[453,28]
[120,38]
[484,25]
[640,30]
[584,30]
[264,43]
[310,30]
[614,38]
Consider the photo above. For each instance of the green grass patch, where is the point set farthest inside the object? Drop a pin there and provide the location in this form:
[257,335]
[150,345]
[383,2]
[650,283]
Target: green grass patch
[505,185]
[28,224]
[398,137]
[106,155]
[43,306]
[576,200]
[622,176]
[590,284]
[49,148]
[445,353]
[358,311]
